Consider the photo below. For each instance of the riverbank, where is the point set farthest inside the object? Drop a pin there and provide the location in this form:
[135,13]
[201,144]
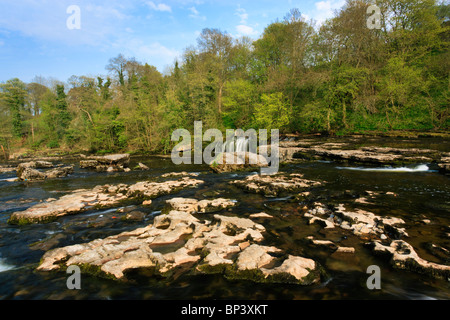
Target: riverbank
[28,154]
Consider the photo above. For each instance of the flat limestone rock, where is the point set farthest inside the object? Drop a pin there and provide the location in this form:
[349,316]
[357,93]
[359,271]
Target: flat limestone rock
[298,267]
[275,185]
[360,222]
[100,197]
[237,161]
[372,155]
[261,215]
[108,163]
[403,256]
[255,257]
[207,246]
[28,171]
[204,206]
[7,169]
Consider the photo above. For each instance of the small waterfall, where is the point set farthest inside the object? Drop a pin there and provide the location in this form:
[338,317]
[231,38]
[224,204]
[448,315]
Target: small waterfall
[237,144]
[241,144]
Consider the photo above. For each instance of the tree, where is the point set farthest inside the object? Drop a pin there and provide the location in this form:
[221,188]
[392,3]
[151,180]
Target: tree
[238,102]
[272,113]
[117,65]
[216,47]
[14,95]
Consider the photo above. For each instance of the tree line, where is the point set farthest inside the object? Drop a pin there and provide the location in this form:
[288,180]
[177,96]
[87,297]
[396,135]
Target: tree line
[337,78]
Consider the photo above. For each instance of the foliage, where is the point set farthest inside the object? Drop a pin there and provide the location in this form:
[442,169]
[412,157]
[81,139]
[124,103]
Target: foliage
[339,77]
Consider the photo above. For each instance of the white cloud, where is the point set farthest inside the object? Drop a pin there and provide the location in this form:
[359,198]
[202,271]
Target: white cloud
[244,30]
[159,7]
[242,13]
[325,9]
[323,5]
[153,53]
[195,14]
[194,11]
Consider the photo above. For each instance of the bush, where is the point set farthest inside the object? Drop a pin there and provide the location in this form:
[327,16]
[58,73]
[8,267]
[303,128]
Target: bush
[53,144]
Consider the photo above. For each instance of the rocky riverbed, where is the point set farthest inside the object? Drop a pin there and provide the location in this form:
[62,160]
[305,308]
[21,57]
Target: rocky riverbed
[311,231]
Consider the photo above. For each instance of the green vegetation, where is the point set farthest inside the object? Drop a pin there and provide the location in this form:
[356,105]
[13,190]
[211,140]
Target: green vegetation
[339,78]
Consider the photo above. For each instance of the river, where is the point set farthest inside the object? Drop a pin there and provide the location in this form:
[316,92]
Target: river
[417,192]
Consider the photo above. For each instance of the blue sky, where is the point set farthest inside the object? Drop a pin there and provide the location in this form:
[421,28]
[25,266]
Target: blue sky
[35,39]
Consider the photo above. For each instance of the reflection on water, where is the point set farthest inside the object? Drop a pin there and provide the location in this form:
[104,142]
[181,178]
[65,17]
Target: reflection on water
[423,194]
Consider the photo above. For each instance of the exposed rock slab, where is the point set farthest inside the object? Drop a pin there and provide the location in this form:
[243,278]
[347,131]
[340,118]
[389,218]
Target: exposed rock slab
[28,171]
[360,222]
[209,246]
[7,169]
[238,161]
[444,164]
[35,165]
[204,206]
[372,155]
[403,256]
[108,163]
[99,197]
[179,174]
[273,186]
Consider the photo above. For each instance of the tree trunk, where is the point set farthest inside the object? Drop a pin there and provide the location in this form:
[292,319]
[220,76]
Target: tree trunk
[32,132]
[328,121]
[220,98]
[344,115]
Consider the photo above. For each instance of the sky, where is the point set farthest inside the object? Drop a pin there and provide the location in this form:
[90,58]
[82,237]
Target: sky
[48,38]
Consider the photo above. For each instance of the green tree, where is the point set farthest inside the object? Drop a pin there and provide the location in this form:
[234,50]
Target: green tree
[272,112]
[15,95]
[239,99]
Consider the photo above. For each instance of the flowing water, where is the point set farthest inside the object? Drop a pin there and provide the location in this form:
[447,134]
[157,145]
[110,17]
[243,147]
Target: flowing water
[419,193]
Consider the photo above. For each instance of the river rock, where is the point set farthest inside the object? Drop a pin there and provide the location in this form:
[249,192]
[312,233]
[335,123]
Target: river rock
[298,267]
[403,256]
[99,197]
[204,206]
[345,250]
[238,161]
[180,174]
[58,172]
[444,164]
[358,221]
[273,186]
[36,165]
[143,166]
[27,171]
[88,164]
[206,244]
[7,169]
[372,155]
[256,257]
[108,163]
[261,215]
[30,174]
[135,216]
